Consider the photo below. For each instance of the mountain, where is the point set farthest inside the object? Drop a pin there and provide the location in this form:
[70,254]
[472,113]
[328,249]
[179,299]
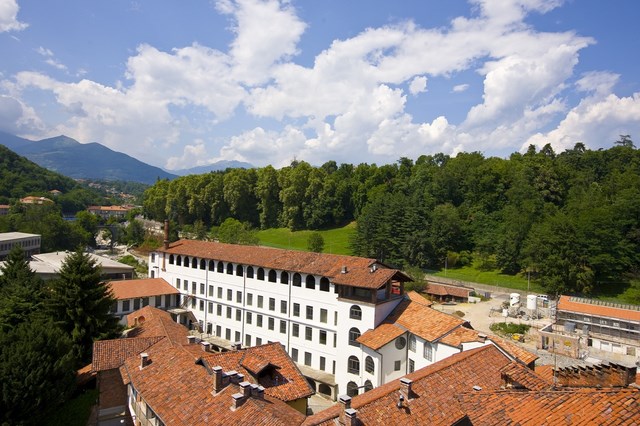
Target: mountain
[214,167]
[20,177]
[84,161]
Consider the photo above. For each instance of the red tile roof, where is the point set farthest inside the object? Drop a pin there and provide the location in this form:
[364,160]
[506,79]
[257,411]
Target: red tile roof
[524,377]
[553,407]
[598,308]
[359,271]
[108,354]
[446,290]
[130,289]
[462,335]
[520,354]
[433,392]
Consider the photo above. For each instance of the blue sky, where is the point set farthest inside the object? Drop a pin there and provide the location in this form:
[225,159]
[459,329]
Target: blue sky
[179,84]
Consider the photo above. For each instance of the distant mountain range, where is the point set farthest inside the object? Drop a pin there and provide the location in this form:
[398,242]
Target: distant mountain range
[95,161]
[214,167]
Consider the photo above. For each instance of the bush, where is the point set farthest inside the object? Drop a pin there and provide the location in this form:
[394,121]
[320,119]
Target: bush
[507,328]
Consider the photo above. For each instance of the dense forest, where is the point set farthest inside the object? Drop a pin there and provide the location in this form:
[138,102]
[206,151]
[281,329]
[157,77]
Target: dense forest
[571,219]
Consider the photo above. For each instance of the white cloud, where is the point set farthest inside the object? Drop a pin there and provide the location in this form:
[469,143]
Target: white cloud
[9,16]
[418,85]
[598,82]
[458,88]
[261,147]
[192,155]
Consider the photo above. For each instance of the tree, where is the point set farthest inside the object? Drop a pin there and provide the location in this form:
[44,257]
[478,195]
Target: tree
[81,304]
[625,140]
[135,232]
[233,231]
[315,242]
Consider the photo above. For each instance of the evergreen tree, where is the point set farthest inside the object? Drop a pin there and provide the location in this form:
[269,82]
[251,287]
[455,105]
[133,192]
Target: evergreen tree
[20,290]
[315,242]
[81,302]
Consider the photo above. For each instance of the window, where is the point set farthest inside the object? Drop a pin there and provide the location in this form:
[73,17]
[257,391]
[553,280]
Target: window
[368,385]
[271,323]
[218,331]
[193,303]
[310,282]
[297,280]
[114,307]
[272,304]
[193,287]
[401,342]
[296,309]
[239,270]
[126,305]
[324,284]
[309,312]
[397,365]
[171,259]
[194,263]
[219,310]
[294,354]
[210,307]
[249,271]
[239,296]
[284,277]
[353,365]
[412,343]
[227,334]
[247,340]
[307,358]
[354,333]
[229,268]
[335,339]
[335,318]
[412,366]
[428,351]
[260,301]
[210,291]
[202,305]
[283,306]
[220,267]
[203,264]
[323,363]
[212,265]
[259,320]
[273,276]
[308,333]
[229,294]
[145,301]
[179,260]
[238,315]
[295,330]
[201,288]
[258,341]
[352,389]
[323,337]
[283,327]
[136,304]
[228,312]
[355,313]
[178,283]
[250,299]
[369,366]
[219,292]
[323,315]
[249,317]
[261,274]
[237,336]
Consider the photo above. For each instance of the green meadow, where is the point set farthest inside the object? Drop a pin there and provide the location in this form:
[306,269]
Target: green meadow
[336,240]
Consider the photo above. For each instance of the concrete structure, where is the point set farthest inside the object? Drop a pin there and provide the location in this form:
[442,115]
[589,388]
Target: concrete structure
[132,295]
[107,212]
[30,243]
[586,324]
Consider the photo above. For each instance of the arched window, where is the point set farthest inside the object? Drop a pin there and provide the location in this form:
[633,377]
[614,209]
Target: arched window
[185,261]
[355,312]
[220,267]
[324,284]
[284,277]
[354,333]
[179,260]
[194,263]
[171,260]
[310,282]
[297,280]
[249,271]
[368,385]
[261,274]
[239,270]
[212,265]
[273,276]
[352,389]
[369,366]
[353,365]
[230,268]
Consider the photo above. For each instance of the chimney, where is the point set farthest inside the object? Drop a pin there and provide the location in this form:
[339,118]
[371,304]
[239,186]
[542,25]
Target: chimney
[144,360]
[245,387]
[405,387]
[238,400]
[206,346]
[345,405]
[236,346]
[344,269]
[166,234]
[254,389]
[260,392]
[233,376]
[217,379]
[350,417]
[191,339]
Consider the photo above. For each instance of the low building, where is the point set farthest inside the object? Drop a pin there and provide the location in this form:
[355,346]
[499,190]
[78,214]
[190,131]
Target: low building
[448,293]
[132,295]
[47,265]
[4,209]
[36,200]
[584,326]
[30,243]
[107,212]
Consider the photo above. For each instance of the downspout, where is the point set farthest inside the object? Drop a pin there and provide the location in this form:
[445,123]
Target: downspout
[289,308]
[244,301]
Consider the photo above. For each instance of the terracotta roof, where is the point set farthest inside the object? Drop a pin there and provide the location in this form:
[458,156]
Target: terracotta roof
[359,270]
[594,307]
[284,381]
[152,322]
[524,377]
[545,372]
[380,336]
[434,389]
[108,354]
[462,335]
[109,208]
[446,290]
[130,289]
[519,353]
[553,407]
[418,298]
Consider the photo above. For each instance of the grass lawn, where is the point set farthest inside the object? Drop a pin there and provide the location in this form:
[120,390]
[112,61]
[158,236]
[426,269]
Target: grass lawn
[494,277]
[74,412]
[336,241]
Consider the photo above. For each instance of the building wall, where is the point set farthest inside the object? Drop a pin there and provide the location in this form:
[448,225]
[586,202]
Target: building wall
[121,308]
[30,245]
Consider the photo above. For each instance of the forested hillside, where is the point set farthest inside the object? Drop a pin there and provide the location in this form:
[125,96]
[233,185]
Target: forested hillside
[572,219]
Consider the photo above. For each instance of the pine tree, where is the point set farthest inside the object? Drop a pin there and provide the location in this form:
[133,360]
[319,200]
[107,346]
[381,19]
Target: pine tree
[20,290]
[80,302]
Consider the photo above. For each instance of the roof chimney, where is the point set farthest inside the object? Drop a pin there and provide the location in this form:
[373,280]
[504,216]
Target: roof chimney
[144,360]
[217,379]
[345,404]
[166,234]
[246,389]
[238,400]
[206,346]
[344,269]
[405,387]
[236,346]
[350,417]
[191,339]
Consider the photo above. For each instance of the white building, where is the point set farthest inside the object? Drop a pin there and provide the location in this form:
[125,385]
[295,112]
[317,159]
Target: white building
[132,295]
[30,243]
[334,314]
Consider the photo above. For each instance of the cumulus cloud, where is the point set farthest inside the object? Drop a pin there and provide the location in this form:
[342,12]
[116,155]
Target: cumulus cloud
[418,85]
[192,155]
[9,16]
[458,88]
